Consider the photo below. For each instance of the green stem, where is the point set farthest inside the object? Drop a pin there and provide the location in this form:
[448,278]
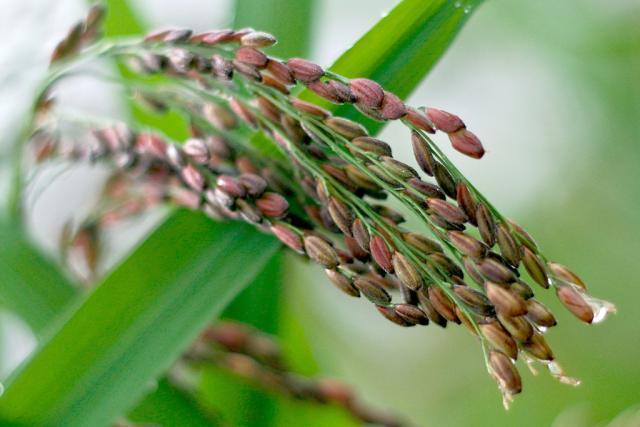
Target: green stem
[457,174]
[347,156]
[362,209]
[367,215]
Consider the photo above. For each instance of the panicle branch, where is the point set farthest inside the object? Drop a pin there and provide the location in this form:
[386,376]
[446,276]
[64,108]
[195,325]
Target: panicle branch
[323,195]
[257,358]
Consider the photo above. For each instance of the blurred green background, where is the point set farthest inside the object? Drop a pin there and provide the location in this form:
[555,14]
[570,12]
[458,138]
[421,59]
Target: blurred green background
[553,90]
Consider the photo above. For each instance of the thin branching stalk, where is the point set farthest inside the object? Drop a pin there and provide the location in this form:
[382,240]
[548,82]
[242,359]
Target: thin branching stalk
[323,194]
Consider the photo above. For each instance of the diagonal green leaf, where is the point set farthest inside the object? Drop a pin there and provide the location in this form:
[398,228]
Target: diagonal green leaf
[136,323]
[401,49]
[30,284]
[33,288]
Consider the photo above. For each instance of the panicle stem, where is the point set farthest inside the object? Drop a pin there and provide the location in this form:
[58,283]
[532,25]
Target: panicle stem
[232,94]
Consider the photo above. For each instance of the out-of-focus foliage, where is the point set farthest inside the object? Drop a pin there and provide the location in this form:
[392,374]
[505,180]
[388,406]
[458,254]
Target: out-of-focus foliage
[30,284]
[135,324]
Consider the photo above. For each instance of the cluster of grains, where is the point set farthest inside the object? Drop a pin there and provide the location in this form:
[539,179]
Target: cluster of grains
[324,198]
[257,358]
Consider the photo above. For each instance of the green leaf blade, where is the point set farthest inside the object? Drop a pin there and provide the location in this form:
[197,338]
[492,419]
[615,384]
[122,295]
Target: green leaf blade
[136,323]
[30,284]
